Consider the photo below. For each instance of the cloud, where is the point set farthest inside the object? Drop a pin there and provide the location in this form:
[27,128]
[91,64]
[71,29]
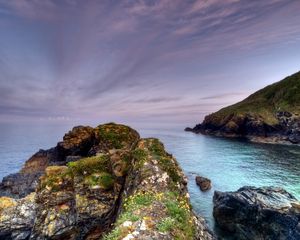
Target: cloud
[223,95]
[74,58]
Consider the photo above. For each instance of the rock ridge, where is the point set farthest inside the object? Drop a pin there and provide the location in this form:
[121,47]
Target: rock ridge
[100,183]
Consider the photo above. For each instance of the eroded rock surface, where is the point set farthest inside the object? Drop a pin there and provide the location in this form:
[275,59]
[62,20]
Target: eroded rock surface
[253,127]
[100,183]
[258,213]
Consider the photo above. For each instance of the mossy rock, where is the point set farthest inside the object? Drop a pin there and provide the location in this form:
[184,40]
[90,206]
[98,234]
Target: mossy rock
[78,141]
[102,180]
[116,136]
[155,149]
[90,165]
[56,178]
[56,170]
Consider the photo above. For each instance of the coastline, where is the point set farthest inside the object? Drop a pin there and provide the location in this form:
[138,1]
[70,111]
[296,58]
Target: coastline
[280,140]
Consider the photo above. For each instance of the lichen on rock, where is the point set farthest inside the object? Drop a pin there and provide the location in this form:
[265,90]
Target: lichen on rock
[103,183]
[155,201]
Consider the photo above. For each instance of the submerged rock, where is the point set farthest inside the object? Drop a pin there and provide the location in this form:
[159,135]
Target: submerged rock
[203,183]
[258,213]
[100,183]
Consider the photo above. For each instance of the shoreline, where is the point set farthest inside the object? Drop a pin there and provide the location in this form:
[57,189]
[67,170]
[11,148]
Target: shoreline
[254,139]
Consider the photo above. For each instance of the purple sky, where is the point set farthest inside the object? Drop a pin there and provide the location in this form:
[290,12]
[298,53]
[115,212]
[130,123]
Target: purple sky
[153,62]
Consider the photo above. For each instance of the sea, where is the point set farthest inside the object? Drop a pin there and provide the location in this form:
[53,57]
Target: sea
[229,163]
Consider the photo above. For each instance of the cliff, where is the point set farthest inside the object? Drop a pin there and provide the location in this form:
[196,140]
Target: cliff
[99,183]
[271,114]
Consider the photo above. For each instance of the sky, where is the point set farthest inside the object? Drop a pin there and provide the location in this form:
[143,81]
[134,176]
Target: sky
[145,61]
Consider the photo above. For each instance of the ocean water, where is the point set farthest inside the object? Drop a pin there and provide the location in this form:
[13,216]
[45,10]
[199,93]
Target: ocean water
[229,163]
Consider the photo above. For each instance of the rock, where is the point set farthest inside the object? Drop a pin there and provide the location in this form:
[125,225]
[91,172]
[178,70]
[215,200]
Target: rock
[203,183]
[20,184]
[96,182]
[258,213]
[77,142]
[268,115]
[17,217]
[294,137]
[156,199]
[115,136]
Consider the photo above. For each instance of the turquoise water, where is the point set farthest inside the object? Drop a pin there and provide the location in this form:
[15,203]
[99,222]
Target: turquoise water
[230,164]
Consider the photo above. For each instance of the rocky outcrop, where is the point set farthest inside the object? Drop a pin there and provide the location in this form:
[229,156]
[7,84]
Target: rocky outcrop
[101,183]
[203,183]
[253,127]
[271,114]
[258,213]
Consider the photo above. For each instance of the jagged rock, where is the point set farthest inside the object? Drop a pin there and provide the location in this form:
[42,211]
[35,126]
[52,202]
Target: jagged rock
[77,142]
[203,183]
[17,217]
[258,213]
[20,184]
[99,173]
[155,201]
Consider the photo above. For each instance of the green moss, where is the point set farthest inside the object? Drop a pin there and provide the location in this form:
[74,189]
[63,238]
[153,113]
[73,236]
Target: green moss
[175,214]
[166,224]
[165,161]
[156,147]
[178,213]
[171,168]
[138,200]
[88,166]
[116,136]
[128,216]
[104,180]
[113,235]
[140,157]
[56,180]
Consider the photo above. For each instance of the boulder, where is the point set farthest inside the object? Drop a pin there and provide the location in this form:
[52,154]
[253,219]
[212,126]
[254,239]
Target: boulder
[78,141]
[295,137]
[203,183]
[258,213]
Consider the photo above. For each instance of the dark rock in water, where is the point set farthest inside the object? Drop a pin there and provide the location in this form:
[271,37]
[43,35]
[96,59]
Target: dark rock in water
[295,137]
[99,181]
[20,184]
[258,213]
[203,183]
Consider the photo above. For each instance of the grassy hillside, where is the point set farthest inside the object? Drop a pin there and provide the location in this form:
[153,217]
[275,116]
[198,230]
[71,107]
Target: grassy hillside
[281,96]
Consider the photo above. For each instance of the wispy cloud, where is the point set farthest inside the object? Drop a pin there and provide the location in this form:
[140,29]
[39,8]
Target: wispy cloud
[80,58]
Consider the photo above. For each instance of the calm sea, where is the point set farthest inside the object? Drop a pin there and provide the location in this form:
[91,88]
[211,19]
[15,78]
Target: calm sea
[230,164]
